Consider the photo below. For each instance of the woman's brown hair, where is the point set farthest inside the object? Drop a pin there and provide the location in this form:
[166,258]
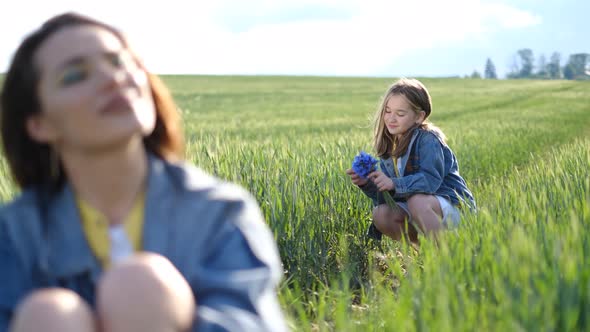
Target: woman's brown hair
[417,95]
[31,162]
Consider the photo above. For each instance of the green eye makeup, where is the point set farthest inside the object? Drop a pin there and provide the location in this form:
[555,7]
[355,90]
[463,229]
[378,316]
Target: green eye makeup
[72,76]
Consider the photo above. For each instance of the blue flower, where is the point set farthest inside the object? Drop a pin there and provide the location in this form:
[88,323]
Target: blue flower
[363,164]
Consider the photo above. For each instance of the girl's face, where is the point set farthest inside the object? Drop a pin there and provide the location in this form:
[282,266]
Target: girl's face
[399,116]
[92,92]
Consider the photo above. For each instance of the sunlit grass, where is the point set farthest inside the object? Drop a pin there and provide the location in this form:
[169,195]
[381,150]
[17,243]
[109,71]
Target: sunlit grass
[520,263]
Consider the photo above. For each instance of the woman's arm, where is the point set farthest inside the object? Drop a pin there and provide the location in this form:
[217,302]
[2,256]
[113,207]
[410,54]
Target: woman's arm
[236,285]
[15,282]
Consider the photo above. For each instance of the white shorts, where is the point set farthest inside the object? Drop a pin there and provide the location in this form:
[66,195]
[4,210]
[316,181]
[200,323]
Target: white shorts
[451,215]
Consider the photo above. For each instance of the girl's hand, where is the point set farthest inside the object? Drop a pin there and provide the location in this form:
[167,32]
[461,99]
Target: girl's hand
[382,181]
[355,178]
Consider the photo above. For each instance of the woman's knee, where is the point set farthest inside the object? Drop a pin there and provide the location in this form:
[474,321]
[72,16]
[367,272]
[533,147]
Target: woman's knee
[53,309]
[148,292]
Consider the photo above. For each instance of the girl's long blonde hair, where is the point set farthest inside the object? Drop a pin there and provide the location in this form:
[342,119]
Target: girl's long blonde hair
[387,145]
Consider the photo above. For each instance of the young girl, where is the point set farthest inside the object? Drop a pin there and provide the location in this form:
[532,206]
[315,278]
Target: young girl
[112,231]
[417,167]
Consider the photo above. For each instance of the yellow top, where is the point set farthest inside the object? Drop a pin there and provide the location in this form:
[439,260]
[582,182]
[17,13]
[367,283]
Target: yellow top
[96,228]
[395,166]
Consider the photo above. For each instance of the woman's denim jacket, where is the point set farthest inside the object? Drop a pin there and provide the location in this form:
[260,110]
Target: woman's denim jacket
[429,167]
[213,233]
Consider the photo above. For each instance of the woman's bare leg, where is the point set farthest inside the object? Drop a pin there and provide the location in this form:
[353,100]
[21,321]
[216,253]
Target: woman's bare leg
[145,293]
[53,310]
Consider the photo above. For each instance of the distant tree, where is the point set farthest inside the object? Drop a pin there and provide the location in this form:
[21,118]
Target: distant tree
[554,66]
[526,62]
[514,70]
[475,74]
[568,72]
[542,67]
[522,64]
[490,71]
[576,66]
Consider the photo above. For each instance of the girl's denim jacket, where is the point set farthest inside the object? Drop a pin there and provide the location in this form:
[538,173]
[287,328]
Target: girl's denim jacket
[213,233]
[429,167]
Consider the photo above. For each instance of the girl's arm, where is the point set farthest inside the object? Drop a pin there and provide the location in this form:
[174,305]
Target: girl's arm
[371,190]
[430,174]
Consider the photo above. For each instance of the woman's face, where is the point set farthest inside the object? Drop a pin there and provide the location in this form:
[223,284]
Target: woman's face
[92,92]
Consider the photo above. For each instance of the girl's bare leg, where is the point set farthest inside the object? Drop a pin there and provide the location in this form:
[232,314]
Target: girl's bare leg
[426,212]
[392,223]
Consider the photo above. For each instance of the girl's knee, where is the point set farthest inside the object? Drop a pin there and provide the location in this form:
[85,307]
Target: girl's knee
[53,309]
[419,203]
[382,216]
[147,290]
[379,212]
[387,220]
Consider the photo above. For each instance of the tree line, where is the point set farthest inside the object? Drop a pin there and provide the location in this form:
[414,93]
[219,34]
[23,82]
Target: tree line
[523,66]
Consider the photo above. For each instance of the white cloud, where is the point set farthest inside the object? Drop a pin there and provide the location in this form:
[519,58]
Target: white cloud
[509,17]
[354,37]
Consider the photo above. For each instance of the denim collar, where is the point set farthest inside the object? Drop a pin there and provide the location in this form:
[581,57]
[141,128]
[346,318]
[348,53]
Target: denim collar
[390,165]
[404,159]
[67,250]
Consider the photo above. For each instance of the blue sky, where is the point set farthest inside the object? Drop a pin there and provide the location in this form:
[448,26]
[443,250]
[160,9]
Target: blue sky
[324,37]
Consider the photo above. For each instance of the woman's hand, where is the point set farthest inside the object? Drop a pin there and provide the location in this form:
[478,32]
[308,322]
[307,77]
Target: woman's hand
[355,178]
[382,181]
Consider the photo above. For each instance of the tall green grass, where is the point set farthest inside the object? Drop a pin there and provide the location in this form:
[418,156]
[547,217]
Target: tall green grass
[520,263]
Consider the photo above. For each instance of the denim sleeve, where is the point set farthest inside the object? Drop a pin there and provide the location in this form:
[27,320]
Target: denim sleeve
[430,174]
[15,282]
[236,286]
[371,191]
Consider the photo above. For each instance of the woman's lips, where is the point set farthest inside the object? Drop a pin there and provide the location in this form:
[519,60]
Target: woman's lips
[116,104]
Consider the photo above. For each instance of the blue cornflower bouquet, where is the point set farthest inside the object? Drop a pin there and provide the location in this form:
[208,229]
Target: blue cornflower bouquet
[363,164]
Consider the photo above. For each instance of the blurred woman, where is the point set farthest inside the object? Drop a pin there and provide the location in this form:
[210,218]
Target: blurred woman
[112,232]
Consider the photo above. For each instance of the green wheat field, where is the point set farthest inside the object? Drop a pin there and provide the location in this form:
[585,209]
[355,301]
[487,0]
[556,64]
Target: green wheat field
[521,263]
